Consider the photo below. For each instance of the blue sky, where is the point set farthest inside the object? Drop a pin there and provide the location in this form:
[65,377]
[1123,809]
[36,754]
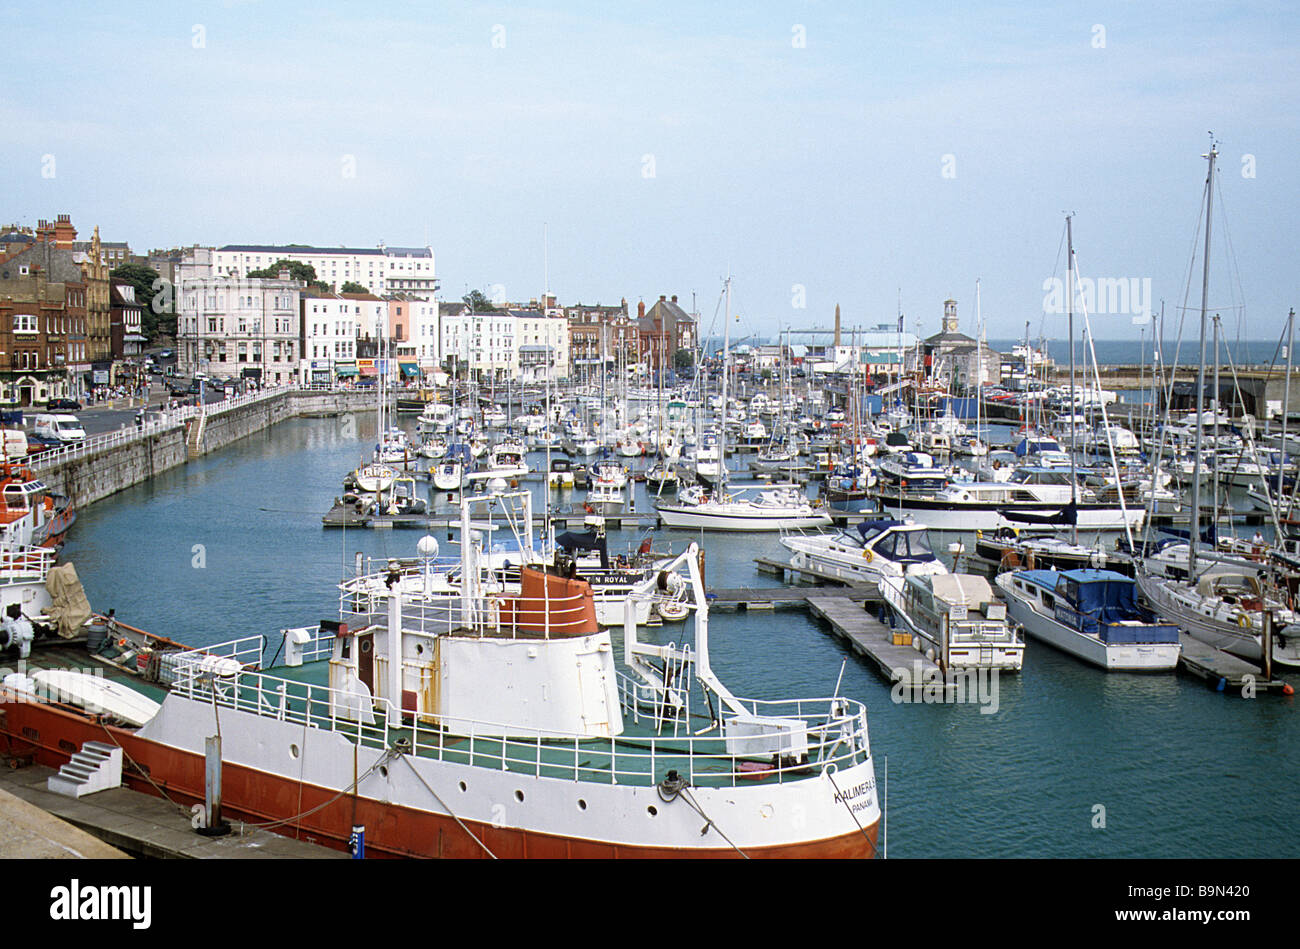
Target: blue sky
[794,144]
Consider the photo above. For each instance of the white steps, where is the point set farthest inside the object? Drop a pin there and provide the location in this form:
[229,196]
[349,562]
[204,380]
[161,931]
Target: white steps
[96,767]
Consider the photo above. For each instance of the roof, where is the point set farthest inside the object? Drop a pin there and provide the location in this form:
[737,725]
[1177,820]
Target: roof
[1082,575]
[300,250]
[963,588]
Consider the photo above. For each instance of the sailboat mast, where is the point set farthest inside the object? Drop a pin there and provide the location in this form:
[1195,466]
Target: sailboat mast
[726,362]
[1069,296]
[1286,401]
[1195,538]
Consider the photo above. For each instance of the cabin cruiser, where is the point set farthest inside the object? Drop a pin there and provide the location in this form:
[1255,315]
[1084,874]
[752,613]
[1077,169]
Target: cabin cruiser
[867,551]
[772,509]
[959,621]
[1093,615]
[1031,496]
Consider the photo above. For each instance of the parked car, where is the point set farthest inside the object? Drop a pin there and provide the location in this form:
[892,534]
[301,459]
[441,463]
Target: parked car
[39,443]
[71,405]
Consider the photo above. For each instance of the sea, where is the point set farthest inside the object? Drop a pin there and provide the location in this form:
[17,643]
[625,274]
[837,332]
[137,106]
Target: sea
[1061,760]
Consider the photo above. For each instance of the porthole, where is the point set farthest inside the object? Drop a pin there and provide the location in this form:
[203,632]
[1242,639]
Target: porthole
[366,645]
[293,751]
[582,805]
[519,796]
[652,811]
[383,771]
[463,786]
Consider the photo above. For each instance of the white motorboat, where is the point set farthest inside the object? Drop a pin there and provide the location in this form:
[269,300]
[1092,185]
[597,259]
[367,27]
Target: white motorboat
[957,618]
[1093,615]
[866,551]
[772,509]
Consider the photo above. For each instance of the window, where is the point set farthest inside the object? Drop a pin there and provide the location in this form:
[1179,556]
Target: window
[24,323]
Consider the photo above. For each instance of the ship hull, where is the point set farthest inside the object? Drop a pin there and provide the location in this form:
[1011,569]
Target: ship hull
[395,829]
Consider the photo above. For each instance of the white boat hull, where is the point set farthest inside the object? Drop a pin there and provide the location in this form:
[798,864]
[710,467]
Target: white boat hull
[1113,657]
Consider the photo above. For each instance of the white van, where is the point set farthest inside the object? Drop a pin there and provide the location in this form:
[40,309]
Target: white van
[15,444]
[65,428]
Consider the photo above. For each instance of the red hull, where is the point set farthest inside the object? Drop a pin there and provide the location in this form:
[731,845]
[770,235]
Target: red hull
[53,734]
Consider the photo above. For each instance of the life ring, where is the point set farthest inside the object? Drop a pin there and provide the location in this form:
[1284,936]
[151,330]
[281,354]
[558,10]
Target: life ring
[868,556]
[1243,620]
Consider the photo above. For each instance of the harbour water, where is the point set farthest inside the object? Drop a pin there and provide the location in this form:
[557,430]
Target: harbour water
[1074,762]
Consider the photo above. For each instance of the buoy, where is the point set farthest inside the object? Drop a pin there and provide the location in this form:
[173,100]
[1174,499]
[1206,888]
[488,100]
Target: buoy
[1222,685]
[1287,690]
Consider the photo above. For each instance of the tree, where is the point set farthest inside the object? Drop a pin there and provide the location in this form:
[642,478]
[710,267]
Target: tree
[304,273]
[147,283]
[352,286]
[478,302]
[683,359]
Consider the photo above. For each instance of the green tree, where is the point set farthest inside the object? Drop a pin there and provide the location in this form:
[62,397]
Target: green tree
[478,302]
[352,286]
[683,359]
[147,283]
[299,271]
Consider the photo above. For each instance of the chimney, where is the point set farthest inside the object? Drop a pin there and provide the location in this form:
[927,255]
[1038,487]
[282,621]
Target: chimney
[837,326]
[674,298]
[662,298]
[284,275]
[640,310]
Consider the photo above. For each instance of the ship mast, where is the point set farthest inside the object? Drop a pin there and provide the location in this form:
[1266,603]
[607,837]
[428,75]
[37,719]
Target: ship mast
[1195,533]
[1069,296]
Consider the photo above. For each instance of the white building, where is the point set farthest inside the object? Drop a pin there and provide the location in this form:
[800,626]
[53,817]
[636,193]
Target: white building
[244,329]
[519,345]
[382,270]
[329,338]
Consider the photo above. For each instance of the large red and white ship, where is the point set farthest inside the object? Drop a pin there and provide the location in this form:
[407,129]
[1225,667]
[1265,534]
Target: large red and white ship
[504,728]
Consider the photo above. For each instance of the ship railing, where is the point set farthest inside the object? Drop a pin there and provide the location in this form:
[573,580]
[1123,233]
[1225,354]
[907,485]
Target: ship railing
[495,614]
[24,562]
[832,734]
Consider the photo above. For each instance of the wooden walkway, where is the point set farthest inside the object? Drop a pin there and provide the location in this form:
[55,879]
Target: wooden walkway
[873,639]
[1223,671]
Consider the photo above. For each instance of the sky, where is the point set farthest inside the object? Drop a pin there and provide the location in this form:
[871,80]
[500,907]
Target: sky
[820,153]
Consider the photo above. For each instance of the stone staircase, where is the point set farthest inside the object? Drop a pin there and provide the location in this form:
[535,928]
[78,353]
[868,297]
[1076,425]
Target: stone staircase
[194,438]
[96,767]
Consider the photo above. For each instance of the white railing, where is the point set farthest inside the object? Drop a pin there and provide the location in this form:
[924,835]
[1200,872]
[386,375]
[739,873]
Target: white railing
[21,562]
[833,731]
[129,434]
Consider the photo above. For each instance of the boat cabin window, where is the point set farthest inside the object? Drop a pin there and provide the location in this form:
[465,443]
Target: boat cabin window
[15,497]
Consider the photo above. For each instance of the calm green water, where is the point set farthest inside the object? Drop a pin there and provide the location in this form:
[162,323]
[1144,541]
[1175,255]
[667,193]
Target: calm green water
[231,545]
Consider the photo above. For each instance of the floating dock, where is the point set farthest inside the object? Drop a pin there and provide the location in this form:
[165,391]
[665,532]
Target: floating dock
[1223,671]
[871,638]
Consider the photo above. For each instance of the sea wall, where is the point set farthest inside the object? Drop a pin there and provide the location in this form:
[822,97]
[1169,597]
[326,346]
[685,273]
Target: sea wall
[111,463]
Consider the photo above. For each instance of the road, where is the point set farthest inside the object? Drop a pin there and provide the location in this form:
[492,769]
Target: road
[110,416]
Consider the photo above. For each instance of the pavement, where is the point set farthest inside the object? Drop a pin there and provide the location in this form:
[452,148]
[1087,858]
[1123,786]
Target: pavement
[27,832]
[36,822]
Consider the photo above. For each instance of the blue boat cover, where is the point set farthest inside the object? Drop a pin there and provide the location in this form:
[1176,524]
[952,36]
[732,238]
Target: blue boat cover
[1096,601]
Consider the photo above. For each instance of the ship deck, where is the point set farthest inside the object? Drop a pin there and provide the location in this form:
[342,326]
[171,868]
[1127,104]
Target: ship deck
[650,746]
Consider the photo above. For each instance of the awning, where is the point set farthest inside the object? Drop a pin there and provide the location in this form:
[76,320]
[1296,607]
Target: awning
[410,369]
[369,371]
[346,371]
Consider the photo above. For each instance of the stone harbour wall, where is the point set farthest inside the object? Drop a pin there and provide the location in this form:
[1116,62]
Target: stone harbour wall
[112,463]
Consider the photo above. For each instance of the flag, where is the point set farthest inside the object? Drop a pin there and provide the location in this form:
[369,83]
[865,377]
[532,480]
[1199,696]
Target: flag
[900,322]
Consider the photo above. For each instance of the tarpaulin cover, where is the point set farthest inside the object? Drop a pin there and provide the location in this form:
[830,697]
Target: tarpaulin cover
[70,608]
[571,540]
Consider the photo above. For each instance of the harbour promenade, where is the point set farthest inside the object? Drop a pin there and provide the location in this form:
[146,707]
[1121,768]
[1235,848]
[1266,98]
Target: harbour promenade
[105,464]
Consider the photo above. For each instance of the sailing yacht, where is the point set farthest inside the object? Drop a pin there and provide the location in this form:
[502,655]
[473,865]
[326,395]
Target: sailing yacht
[771,509]
[1224,609]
